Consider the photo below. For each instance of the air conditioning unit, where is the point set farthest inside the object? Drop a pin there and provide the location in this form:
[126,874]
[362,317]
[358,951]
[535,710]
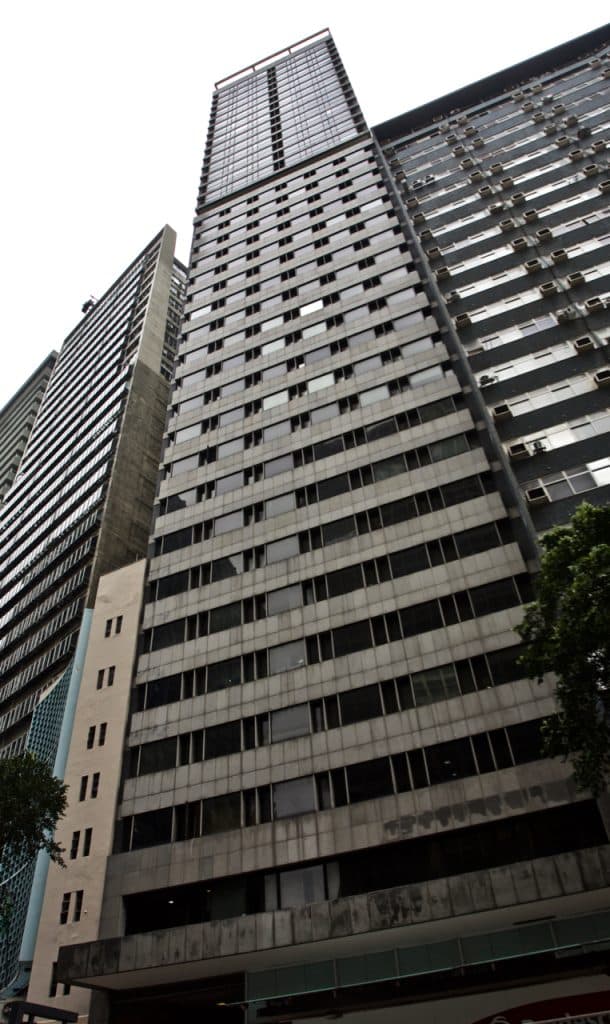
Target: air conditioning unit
[583,132]
[595,62]
[606,73]
[584,344]
[477,176]
[501,412]
[486,191]
[496,168]
[538,117]
[470,130]
[537,88]
[517,96]
[417,184]
[559,256]
[478,143]
[496,208]
[518,451]
[452,297]
[544,235]
[548,288]
[426,235]
[419,218]
[561,141]
[594,305]
[467,163]
[604,186]
[459,150]
[462,320]
[443,273]
[530,215]
[571,120]
[598,146]
[412,203]
[487,380]
[550,129]
[527,107]
[576,279]
[518,198]
[533,266]
[548,98]
[559,108]
[434,253]
[602,377]
[451,139]
[462,119]
[507,225]
[591,170]
[519,243]
[565,315]
[506,182]
[575,155]
[537,495]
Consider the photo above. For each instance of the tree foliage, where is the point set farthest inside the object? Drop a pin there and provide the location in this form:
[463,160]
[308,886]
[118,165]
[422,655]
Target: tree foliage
[32,801]
[567,631]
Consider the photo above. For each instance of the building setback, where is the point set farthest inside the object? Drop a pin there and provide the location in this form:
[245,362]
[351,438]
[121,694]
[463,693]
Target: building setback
[334,800]
[80,507]
[17,419]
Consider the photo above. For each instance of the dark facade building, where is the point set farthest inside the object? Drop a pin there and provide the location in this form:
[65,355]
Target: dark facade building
[80,506]
[17,419]
[335,803]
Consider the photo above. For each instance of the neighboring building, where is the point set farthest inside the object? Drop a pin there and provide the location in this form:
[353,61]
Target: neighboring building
[73,895]
[17,419]
[80,507]
[334,801]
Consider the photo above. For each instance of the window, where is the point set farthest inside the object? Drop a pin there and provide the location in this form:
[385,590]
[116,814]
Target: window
[65,907]
[95,785]
[87,842]
[119,624]
[108,627]
[78,904]
[289,722]
[110,679]
[287,656]
[90,737]
[83,787]
[100,679]
[294,797]
[74,845]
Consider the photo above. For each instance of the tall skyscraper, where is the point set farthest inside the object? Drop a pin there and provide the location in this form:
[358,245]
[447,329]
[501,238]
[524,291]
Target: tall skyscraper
[17,419]
[80,507]
[335,803]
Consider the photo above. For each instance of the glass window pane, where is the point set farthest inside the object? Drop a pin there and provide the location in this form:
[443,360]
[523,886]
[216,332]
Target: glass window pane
[287,656]
[294,797]
[284,599]
[288,722]
[280,549]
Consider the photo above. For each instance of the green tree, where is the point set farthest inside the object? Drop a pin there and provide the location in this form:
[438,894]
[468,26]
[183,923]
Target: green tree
[32,801]
[567,631]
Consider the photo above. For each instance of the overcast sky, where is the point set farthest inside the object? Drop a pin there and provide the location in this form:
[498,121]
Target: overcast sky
[105,110]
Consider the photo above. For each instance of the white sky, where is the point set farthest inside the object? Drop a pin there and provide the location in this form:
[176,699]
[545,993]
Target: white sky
[105,111]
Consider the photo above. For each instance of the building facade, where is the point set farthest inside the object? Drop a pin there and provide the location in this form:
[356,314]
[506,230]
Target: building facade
[80,507]
[334,801]
[17,419]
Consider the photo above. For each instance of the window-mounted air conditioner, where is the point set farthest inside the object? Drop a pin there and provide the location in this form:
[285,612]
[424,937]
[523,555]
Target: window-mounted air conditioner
[506,182]
[562,141]
[598,146]
[544,235]
[451,139]
[548,288]
[419,218]
[476,176]
[462,119]
[571,120]
[529,216]
[507,225]
[559,108]
[538,117]
[584,344]
[576,279]
[434,253]
[594,305]
[412,203]
[604,186]
[459,150]
[469,130]
[575,155]
[425,235]
[467,163]
[478,143]
[583,132]
[591,170]
[527,107]
[537,495]
[452,297]
[517,451]
[537,88]
[565,315]
[548,98]
[550,129]
[496,168]
[501,412]
[486,191]
[462,320]
[533,266]
[519,243]
[602,377]
[518,198]
[496,208]
[559,256]
[443,273]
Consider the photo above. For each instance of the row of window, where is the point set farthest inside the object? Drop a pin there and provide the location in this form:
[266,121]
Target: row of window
[362,703]
[319,414]
[399,862]
[373,572]
[321,491]
[402,623]
[360,524]
[421,767]
[300,456]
